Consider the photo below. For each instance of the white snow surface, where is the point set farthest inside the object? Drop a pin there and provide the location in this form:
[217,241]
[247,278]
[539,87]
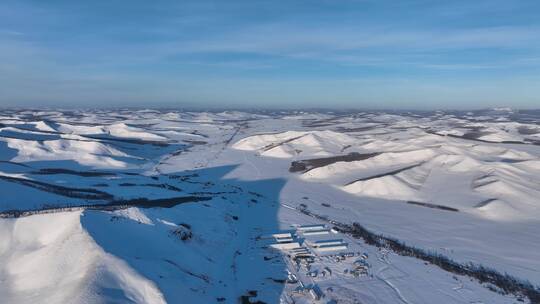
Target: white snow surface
[425,180]
[52,259]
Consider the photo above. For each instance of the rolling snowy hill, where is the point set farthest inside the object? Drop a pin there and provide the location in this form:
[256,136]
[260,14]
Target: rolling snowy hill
[150,206]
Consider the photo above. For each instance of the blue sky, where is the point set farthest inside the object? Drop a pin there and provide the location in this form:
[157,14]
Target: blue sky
[391,54]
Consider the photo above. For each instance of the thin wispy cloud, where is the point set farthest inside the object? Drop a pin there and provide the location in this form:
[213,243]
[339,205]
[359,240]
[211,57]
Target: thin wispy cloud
[154,49]
[283,39]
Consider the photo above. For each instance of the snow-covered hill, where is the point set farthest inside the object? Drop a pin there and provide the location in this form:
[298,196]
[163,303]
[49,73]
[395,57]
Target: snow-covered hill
[153,206]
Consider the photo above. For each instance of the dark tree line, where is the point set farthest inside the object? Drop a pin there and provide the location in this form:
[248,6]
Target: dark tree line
[505,283]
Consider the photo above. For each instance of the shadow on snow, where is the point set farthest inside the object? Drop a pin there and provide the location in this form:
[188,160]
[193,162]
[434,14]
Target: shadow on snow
[201,252]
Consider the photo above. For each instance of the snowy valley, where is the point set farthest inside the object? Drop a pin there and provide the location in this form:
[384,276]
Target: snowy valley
[168,206]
